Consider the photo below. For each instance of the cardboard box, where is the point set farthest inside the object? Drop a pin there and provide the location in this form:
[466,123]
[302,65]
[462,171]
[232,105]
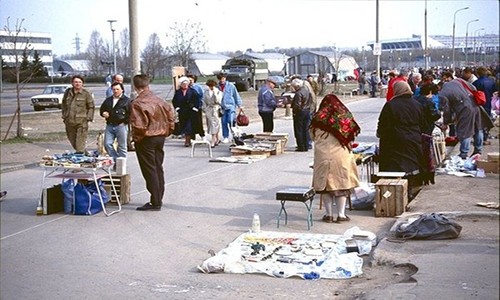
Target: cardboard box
[391,197]
[488,166]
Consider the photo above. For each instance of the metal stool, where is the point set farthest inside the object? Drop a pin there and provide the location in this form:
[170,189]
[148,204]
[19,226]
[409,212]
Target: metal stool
[202,142]
[304,195]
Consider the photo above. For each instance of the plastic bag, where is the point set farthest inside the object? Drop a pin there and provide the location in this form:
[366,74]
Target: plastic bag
[429,227]
[87,201]
[67,188]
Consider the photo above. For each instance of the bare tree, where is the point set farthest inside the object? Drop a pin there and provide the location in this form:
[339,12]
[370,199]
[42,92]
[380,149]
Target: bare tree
[123,60]
[18,49]
[95,52]
[185,39]
[153,55]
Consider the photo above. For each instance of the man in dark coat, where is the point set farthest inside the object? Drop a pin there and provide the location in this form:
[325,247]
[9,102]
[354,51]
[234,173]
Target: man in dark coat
[466,111]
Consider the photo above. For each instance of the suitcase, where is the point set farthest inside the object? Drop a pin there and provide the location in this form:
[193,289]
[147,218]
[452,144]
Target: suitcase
[295,194]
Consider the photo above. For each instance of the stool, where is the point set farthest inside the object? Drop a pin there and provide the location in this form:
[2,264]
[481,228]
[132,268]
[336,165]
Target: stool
[202,142]
[296,194]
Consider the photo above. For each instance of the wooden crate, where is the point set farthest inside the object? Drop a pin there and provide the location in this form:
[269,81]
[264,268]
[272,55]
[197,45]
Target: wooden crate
[246,150]
[391,197]
[122,185]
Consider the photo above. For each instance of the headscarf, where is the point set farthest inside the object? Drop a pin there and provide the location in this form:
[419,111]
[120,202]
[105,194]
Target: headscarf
[401,88]
[335,118]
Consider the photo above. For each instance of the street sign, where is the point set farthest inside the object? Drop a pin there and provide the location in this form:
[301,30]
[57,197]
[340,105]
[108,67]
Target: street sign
[377,49]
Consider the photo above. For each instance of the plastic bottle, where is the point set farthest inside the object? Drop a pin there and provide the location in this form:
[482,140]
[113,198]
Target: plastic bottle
[256,223]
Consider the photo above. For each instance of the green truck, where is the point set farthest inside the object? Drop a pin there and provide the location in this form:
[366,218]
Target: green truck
[246,73]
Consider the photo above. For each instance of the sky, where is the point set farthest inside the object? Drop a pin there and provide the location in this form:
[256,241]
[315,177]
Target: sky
[231,25]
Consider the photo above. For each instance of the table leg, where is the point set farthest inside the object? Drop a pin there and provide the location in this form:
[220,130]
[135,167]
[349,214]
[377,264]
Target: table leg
[100,195]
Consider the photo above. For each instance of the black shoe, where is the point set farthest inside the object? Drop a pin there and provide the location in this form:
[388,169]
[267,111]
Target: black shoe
[149,206]
[3,194]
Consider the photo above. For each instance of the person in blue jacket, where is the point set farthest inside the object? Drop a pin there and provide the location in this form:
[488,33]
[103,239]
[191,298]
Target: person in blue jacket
[266,103]
[231,101]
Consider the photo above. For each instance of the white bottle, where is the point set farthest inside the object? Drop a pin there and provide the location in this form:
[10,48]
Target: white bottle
[256,223]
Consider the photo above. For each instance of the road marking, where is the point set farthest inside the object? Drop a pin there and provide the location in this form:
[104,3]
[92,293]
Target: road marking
[32,227]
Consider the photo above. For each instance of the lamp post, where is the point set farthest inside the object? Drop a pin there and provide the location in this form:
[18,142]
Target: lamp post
[364,63]
[113,40]
[474,44]
[453,40]
[466,37]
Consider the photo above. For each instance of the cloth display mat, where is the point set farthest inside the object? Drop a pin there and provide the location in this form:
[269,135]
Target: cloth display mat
[284,254]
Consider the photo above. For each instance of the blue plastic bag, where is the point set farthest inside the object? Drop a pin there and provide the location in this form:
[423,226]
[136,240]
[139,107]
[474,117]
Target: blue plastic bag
[67,188]
[87,201]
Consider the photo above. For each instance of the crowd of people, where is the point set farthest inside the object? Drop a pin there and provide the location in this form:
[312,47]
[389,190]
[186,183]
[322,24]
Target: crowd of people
[416,105]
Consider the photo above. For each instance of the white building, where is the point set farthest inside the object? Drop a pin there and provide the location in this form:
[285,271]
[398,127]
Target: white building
[14,44]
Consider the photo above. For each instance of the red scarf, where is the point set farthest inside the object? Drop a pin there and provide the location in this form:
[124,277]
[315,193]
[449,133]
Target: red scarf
[335,118]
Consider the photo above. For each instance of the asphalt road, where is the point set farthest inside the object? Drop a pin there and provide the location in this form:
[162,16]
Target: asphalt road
[153,255]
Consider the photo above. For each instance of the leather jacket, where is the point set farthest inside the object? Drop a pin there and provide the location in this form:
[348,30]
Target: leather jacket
[151,116]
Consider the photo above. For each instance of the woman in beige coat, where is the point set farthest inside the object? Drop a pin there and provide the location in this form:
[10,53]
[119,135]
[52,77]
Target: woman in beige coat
[333,129]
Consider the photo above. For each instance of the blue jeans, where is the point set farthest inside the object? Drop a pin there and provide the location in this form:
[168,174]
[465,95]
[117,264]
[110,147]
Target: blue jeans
[227,120]
[120,133]
[478,141]
[464,147]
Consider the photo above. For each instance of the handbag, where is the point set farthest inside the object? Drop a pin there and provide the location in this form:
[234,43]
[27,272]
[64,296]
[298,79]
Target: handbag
[479,96]
[242,119]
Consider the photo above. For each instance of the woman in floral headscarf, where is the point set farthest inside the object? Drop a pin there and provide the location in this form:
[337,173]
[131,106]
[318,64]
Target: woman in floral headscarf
[333,129]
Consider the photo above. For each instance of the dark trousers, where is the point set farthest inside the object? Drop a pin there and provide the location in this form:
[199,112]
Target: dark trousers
[267,120]
[301,121]
[150,155]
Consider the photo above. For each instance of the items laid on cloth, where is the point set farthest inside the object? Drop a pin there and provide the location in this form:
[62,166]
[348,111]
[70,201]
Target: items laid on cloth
[429,226]
[479,96]
[335,118]
[242,119]
[76,160]
[284,254]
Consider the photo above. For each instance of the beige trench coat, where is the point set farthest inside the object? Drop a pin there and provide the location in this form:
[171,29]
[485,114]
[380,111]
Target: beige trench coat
[334,166]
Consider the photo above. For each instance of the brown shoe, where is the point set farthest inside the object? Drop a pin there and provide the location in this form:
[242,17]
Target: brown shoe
[328,219]
[486,143]
[343,219]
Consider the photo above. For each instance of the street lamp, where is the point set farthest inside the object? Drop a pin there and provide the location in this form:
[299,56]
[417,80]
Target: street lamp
[453,40]
[466,37]
[113,40]
[474,45]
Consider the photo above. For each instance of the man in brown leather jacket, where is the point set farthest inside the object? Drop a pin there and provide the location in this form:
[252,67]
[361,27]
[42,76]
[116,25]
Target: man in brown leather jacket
[151,120]
[77,111]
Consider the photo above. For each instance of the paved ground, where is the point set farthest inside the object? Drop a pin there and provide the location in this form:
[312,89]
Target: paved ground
[451,269]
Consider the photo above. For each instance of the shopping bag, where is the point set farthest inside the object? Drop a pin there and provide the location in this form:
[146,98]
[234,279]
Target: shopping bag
[87,201]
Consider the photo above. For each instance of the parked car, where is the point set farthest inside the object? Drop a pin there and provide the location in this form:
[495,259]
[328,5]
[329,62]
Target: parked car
[51,96]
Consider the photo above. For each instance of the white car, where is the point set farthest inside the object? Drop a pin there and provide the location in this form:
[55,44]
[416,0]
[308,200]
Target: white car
[51,96]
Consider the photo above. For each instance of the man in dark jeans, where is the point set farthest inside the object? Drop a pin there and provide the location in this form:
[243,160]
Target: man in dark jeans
[301,107]
[151,120]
